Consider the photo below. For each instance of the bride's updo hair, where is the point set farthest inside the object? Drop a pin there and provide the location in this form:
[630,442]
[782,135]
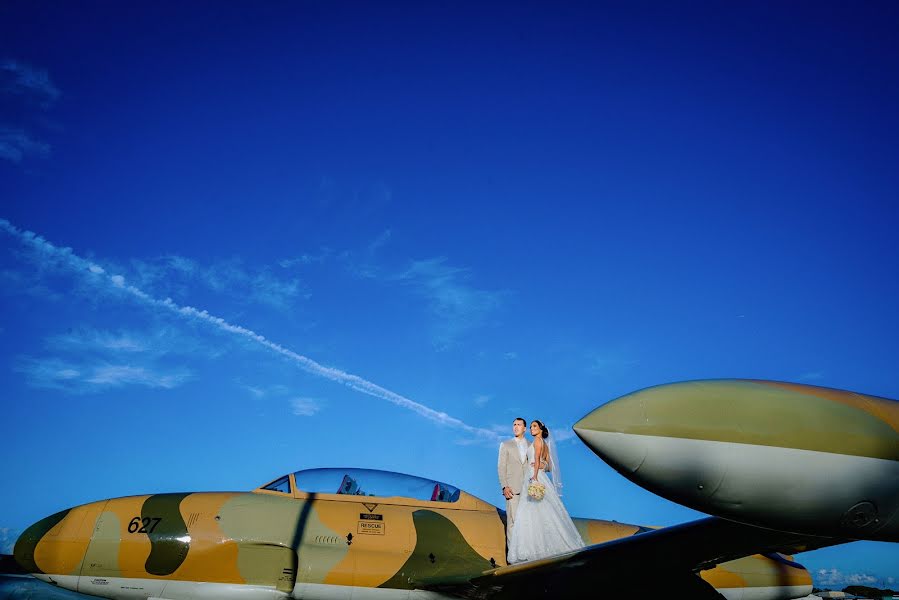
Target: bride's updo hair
[544,431]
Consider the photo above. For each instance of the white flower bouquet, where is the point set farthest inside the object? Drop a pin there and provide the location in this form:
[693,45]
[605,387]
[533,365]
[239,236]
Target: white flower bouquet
[536,490]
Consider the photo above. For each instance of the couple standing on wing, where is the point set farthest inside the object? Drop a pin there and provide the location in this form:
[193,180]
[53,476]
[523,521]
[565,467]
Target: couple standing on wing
[537,524]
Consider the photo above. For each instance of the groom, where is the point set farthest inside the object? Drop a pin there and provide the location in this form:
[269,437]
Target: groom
[512,463]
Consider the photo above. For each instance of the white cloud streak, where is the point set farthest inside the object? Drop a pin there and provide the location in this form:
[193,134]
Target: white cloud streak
[304,407]
[88,340]
[306,259]
[832,578]
[24,80]
[55,373]
[255,391]
[95,359]
[562,434]
[457,305]
[65,256]
[16,145]
[8,539]
[116,375]
[379,241]
[31,87]
[229,277]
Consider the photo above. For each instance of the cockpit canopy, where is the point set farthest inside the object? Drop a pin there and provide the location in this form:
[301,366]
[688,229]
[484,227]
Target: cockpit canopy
[366,482]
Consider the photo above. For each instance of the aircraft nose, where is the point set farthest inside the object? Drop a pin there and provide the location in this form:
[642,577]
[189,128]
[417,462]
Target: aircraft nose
[25,549]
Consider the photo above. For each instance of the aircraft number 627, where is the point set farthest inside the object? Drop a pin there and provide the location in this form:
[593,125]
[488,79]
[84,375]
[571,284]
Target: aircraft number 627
[138,525]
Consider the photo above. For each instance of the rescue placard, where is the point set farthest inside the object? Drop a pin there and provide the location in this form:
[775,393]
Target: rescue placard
[371,527]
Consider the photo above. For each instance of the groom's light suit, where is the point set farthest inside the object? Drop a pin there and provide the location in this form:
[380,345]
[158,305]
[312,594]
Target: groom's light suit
[512,464]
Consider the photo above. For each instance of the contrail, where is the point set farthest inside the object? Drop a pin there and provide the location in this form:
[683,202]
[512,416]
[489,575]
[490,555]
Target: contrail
[48,251]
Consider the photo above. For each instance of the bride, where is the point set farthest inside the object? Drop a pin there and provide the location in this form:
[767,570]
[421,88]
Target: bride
[542,526]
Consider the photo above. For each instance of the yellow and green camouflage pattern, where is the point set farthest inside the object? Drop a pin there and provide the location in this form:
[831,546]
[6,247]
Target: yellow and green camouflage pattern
[837,421]
[275,539]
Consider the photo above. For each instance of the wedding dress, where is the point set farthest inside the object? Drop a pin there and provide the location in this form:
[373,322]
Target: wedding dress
[542,527]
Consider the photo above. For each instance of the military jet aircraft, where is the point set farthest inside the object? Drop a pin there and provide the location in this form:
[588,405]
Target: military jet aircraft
[760,456]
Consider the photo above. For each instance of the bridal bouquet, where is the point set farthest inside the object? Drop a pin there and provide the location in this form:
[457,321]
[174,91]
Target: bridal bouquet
[536,490]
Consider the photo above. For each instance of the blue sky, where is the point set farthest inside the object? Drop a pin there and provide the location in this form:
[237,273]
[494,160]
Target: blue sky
[314,234]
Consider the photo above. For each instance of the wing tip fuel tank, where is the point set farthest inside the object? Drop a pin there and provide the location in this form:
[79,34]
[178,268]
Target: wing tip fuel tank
[818,460]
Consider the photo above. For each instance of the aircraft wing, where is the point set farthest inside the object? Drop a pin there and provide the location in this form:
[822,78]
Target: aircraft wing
[668,557]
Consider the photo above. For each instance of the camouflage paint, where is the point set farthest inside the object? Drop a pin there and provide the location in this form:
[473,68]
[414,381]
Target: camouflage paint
[245,538]
[441,555]
[169,540]
[758,571]
[595,531]
[213,553]
[768,413]
[321,549]
[274,539]
[27,543]
[104,547]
